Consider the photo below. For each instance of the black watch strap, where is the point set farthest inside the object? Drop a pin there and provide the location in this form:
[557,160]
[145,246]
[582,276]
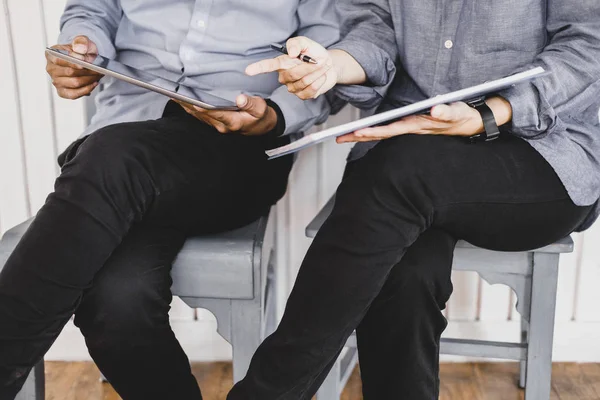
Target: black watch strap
[489,122]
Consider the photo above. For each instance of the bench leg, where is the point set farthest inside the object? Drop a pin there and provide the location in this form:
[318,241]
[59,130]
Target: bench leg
[245,334]
[523,363]
[33,389]
[331,387]
[541,326]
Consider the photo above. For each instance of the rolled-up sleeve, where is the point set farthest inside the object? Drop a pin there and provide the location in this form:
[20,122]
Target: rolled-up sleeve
[318,21]
[368,36]
[572,91]
[98,20]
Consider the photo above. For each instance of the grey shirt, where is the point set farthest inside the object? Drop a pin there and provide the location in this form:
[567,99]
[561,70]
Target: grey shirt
[414,49]
[206,44]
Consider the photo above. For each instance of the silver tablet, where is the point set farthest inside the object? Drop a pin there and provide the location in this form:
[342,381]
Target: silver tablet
[414,108]
[145,79]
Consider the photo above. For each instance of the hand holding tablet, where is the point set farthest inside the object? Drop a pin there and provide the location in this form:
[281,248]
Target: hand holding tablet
[253,118]
[105,66]
[73,81]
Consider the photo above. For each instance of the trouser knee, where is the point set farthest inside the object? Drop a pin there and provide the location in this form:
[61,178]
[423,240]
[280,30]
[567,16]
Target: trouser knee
[108,171]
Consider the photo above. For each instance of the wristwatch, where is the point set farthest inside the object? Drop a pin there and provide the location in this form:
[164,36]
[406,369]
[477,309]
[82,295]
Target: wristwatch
[492,131]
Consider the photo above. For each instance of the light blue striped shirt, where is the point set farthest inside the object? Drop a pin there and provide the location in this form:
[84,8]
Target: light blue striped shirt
[208,43]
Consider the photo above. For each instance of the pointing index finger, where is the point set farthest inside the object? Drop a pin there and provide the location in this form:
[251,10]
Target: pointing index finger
[264,66]
[272,65]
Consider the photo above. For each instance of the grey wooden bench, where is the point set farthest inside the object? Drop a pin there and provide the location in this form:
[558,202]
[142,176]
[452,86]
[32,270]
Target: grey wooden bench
[230,274]
[531,274]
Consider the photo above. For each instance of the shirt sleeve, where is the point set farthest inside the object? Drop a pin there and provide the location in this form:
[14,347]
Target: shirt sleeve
[98,20]
[319,22]
[572,91]
[369,37]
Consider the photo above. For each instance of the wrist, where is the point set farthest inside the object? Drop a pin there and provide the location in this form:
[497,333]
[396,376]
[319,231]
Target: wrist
[271,119]
[487,124]
[477,126]
[337,66]
[501,108]
[276,120]
[348,71]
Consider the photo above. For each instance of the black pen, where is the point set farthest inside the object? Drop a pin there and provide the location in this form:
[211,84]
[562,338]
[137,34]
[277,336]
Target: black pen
[302,57]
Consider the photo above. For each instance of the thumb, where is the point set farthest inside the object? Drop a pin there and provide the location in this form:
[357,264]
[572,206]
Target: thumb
[83,45]
[298,45]
[443,112]
[253,105]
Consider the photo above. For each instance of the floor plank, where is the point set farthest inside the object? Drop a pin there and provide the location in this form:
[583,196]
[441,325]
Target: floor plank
[569,383]
[461,381]
[591,373]
[499,378]
[353,388]
[457,382]
[214,378]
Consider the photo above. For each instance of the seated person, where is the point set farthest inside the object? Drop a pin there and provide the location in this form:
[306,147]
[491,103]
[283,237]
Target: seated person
[149,175]
[381,263]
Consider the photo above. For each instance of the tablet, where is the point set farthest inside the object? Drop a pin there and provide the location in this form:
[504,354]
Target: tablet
[145,80]
[414,108]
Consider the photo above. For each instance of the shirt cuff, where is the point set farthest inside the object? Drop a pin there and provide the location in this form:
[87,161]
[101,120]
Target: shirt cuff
[103,43]
[363,97]
[379,69]
[375,61]
[532,115]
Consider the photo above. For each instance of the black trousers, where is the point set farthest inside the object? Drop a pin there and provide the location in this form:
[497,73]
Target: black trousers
[381,262]
[103,244]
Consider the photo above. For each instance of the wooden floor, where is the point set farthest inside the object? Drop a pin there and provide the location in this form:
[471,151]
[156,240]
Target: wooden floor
[493,381]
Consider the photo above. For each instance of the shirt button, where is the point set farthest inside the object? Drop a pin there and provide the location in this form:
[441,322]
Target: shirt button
[448,44]
[200,23]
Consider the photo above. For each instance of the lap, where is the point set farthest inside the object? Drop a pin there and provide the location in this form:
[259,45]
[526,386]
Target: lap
[506,170]
[500,194]
[203,179]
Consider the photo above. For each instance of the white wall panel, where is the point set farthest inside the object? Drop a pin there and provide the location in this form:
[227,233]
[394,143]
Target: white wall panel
[463,304]
[570,265]
[588,294]
[494,303]
[15,205]
[35,101]
[303,203]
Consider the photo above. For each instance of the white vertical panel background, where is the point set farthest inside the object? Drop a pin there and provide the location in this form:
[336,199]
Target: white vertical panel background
[36,124]
[15,204]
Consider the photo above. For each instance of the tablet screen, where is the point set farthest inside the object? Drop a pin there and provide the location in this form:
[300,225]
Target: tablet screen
[145,79]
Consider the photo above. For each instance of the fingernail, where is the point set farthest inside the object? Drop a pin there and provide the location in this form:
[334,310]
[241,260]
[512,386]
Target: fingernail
[436,112]
[80,48]
[242,101]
